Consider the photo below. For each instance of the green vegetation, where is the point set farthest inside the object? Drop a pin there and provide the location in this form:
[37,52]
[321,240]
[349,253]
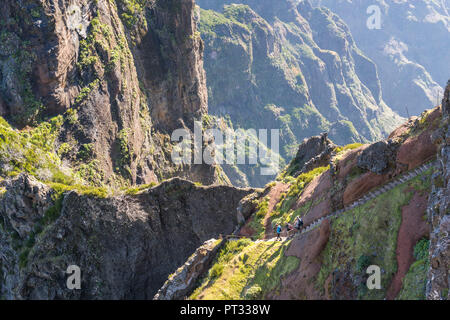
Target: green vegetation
[303,179]
[257,222]
[282,212]
[350,146]
[413,283]
[98,192]
[424,123]
[347,131]
[139,188]
[84,93]
[124,160]
[86,151]
[368,235]
[132,12]
[91,172]
[209,19]
[24,247]
[72,116]
[20,62]
[33,151]
[30,151]
[246,270]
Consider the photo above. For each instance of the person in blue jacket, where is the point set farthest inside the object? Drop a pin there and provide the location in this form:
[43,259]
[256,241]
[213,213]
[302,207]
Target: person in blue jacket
[279,232]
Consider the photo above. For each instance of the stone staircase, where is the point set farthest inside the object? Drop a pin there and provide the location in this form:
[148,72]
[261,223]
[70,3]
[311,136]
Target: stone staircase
[373,194]
[367,197]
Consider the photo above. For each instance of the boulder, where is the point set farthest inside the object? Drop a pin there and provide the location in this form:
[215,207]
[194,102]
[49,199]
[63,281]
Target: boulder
[377,156]
[312,153]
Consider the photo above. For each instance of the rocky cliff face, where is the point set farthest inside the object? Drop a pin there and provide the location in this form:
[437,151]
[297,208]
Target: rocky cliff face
[126,246]
[438,211]
[123,74]
[282,65]
[410,48]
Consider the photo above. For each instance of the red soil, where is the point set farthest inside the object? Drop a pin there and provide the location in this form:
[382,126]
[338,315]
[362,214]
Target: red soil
[246,230]
[318,211]
[274,197]
[401,130]
[412,229]
[348,162]
[415,150]
[363,184]
[307,247]
[316,189]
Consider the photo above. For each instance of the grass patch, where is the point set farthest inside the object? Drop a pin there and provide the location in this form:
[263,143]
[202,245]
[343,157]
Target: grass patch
[414,283]
[246,270]
[32,151]
[139,188]
[98,192]
[368,235]
[282,212]
[303,179]
[350,146]
[257,223]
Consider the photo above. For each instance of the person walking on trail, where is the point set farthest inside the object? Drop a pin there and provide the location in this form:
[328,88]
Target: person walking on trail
[279,232]
[298,223]
[289,228]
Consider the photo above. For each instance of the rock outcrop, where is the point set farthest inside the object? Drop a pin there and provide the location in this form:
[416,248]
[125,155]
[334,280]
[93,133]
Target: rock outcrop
[438,212]
[313,152]
[125,246]
[181,284]
[377,157]
[24,203]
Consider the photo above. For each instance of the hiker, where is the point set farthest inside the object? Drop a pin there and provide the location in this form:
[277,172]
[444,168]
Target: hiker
[289,228]
[298,223]
[279,232]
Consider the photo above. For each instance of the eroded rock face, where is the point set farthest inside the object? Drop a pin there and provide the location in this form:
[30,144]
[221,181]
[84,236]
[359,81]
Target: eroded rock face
[125,246]
[377,157]
[127,83]
[184,280]
[169,56]
[312,153]
[438,213]
[25,202]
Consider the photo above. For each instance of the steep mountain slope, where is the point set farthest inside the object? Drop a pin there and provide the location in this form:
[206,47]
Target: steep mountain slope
[361,205]
[126,245]
[277,65]
[121,75]
[411,48]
